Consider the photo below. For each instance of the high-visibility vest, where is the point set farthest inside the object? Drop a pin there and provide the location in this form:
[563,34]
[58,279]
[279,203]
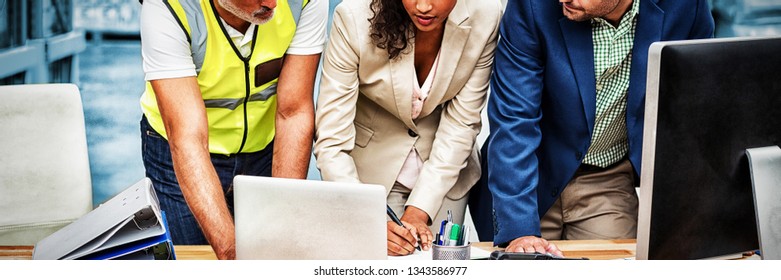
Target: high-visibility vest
[240,100]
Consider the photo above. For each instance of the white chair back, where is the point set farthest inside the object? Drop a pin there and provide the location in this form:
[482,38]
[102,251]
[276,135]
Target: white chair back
[44,166]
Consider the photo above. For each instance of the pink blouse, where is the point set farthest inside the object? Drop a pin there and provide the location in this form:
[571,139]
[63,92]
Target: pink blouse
[408,175]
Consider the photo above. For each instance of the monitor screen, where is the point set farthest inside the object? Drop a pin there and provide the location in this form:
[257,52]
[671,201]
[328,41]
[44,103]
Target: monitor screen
[707,101]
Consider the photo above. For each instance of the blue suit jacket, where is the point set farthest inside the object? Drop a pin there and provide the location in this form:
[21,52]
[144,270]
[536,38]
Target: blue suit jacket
[543,101]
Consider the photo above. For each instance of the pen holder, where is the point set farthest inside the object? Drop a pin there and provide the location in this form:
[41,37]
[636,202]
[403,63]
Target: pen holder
[441,252]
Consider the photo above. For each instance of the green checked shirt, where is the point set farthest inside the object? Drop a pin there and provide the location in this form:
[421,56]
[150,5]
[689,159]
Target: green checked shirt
[612,61]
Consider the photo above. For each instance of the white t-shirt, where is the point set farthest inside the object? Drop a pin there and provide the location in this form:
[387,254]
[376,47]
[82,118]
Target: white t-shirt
[166,52]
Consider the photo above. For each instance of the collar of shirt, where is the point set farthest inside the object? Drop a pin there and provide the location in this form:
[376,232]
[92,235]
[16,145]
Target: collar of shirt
[242,41]
[626,20]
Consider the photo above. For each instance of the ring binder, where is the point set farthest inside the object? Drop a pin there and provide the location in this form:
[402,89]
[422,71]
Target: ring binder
[128,226]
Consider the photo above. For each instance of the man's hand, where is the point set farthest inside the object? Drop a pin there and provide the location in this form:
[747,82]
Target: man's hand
[531,244]
[228,254]
[417,220]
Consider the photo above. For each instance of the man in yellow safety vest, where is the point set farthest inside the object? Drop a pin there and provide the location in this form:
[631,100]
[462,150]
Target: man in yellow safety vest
[229,91]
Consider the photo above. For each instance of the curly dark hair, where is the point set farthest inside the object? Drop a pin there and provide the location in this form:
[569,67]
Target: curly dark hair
[391,27]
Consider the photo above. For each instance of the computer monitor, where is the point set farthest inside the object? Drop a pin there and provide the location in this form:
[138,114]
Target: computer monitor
[706,102]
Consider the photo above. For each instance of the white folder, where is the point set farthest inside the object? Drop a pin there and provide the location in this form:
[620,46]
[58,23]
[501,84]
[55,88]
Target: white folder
[129,225]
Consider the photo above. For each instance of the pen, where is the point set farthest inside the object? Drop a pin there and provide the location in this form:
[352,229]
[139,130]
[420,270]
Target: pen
[465,235]
[441,236]
[396,220]
[446,235]
[453,235]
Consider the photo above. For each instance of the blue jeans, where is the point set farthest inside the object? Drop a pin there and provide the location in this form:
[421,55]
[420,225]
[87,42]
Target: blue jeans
[159,168]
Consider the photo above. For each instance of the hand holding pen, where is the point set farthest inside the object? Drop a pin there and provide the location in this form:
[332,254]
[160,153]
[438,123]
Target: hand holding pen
[408,230]
[400,238]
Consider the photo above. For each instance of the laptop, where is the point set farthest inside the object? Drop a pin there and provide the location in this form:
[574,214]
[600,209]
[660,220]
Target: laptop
[289,219]
[765,163]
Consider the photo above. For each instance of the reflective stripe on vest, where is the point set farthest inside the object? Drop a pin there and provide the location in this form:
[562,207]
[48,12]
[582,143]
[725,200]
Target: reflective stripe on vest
[232,104]
[240,104]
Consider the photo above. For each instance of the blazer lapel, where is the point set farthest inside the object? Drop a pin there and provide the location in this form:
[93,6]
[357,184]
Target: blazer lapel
[580,47]
[453,43]
[650,22]
[402,79]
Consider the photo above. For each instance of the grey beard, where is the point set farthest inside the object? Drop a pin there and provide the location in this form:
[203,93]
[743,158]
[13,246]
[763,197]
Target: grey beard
[251,17]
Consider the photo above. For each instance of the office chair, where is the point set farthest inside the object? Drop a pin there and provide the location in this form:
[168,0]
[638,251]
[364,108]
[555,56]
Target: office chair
[44,167]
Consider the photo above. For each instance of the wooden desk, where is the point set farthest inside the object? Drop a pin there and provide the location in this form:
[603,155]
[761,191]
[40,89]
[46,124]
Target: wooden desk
[16,252]
[183,252]
[592,249]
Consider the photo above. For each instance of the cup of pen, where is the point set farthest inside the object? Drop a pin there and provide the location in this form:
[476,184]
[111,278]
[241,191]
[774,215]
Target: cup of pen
[451,242]
[444,252]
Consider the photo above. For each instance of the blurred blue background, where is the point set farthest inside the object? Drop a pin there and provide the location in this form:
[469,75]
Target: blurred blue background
[105,63]
[95,44]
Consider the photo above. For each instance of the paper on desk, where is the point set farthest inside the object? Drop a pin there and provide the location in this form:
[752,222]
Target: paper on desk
[476,253]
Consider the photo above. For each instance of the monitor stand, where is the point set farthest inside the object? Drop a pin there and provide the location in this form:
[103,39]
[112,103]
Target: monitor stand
[765,167]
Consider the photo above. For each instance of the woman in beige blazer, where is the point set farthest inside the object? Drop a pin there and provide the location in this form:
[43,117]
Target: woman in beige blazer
[402,88]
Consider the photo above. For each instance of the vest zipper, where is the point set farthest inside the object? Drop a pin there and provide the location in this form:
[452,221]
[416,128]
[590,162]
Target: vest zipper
[246,61]
[246,100]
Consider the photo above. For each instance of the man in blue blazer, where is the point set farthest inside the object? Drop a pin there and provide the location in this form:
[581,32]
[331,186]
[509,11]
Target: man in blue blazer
[566,114]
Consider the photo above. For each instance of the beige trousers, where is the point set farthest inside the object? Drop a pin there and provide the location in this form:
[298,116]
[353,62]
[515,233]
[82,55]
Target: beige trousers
[598,203]
[399,194]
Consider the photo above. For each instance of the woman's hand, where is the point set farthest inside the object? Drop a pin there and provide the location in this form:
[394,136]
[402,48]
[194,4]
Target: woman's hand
[417,221]
[401,241]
